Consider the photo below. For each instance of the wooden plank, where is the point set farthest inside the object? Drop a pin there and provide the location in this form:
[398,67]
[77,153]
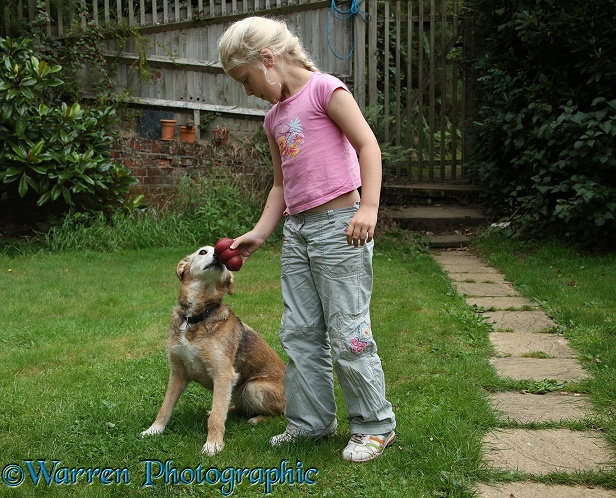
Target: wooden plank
[443,85]
[182,104]
[432,107]
[386,71]
[170,62]
[48,7]
[60,17]
[141,12]
[420,92]
[360,60]
[131,12]
[118,11]
[409,73]
[373,95]
[398,73]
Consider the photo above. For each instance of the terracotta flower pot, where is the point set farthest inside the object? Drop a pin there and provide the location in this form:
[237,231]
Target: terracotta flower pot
[187,134]
[221,135]
[167,129]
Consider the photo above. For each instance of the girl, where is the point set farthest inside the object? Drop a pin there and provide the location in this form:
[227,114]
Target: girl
[316,132]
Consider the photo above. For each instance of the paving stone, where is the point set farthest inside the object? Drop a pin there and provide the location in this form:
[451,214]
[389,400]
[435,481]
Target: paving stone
[541,452]
[539,490]
[521,343]
[485,290]
[469,268]
[520,321]
[481,278]
[501,303]
[560,369]
[549,407]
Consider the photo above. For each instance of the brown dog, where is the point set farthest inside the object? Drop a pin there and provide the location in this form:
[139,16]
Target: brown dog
[210,345]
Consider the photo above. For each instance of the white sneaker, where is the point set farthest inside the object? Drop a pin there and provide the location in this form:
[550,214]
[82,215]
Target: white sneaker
[284,438]
[364,447]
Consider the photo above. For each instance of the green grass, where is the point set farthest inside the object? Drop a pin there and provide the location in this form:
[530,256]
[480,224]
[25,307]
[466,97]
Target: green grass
[83,371]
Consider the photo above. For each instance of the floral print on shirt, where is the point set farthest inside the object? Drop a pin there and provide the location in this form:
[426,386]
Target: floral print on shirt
[290,140]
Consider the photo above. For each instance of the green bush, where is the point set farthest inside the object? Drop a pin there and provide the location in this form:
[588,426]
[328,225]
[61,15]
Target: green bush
[545,124]
[59,151]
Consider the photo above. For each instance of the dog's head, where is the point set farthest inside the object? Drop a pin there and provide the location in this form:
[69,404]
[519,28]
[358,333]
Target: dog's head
[202,269]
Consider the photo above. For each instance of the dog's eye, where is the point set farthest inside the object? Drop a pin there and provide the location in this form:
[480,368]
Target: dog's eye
[202,252]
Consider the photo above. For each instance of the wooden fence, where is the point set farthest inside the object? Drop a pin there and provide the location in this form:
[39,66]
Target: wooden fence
[418,89]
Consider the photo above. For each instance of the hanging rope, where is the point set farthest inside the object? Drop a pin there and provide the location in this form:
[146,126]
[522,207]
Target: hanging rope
[342,15]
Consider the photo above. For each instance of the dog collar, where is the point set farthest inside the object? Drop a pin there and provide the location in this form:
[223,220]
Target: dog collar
[202,316]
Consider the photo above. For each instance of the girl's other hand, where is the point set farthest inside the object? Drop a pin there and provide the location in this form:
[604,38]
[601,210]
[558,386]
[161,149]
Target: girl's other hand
[361,228]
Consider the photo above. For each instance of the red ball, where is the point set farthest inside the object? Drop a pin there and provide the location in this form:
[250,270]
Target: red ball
[235,263]
[222,245]
[231,258]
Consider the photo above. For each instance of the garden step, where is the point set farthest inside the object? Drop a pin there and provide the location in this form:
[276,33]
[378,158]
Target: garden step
[544,451]
[520,321]
[438,219]
[529,408]
[430,193]
[513,303]
[524,343]
[526,489]
[559,369]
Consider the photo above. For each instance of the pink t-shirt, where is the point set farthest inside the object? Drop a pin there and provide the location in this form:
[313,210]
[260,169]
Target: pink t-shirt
[318,162]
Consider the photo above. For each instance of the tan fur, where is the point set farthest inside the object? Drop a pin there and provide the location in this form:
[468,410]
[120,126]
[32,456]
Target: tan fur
[221,353]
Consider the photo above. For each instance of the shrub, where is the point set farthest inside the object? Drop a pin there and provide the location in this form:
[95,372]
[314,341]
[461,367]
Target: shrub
[545,127]
[59,151]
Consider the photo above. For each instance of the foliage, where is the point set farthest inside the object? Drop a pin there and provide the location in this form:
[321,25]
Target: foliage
[207,208]
[60,151]
[545,129]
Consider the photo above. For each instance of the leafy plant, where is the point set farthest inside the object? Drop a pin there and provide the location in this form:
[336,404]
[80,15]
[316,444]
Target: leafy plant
[545,127]
[60,152]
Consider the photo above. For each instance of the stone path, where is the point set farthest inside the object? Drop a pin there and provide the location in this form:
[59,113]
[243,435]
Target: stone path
[528,347]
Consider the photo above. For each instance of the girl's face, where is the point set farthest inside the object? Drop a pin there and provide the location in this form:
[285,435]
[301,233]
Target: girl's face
[258,81]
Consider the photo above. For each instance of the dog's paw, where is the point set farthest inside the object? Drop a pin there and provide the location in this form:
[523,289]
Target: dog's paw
[257,419]
[211,449]
[153,430]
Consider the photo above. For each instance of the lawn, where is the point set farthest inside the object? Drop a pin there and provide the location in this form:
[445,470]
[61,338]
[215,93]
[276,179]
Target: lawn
[84,370]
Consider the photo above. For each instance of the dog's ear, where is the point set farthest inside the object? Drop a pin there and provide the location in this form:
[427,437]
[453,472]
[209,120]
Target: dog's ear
[182,268]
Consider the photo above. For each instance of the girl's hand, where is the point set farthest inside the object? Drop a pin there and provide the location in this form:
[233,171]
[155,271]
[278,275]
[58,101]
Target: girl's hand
[247,244]
[361,228]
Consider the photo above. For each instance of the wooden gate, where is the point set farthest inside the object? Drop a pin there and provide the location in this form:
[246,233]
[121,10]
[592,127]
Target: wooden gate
[421,85]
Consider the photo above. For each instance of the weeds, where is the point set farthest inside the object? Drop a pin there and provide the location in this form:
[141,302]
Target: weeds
[206,209]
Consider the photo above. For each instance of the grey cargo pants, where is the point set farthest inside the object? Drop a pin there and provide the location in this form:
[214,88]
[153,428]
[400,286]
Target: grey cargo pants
[325,327]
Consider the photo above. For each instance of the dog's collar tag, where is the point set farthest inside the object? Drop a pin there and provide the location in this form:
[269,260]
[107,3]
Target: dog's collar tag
[191,320]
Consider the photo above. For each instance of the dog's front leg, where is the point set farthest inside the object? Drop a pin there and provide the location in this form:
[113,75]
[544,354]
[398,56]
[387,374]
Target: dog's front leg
[221,397]
[176,386]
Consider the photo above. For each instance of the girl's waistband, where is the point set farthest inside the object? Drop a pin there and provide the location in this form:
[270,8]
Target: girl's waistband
[322,215]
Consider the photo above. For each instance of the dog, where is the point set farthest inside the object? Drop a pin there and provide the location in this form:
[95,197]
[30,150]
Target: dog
[210,345]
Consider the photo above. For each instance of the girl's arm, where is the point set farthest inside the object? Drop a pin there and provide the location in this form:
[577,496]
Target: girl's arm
[345,112]
[272,212]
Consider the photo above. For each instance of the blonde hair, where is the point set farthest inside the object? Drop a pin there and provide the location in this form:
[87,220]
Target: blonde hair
[243,41]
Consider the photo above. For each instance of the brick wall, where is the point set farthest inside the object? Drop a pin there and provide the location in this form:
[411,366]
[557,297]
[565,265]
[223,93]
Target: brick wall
[160,165]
